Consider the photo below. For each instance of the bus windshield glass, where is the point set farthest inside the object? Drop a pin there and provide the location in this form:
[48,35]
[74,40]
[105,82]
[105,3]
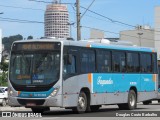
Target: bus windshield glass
[35,67]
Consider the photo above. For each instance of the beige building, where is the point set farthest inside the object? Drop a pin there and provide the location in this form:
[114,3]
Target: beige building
[157,29]
[140,36]
[144,35]
[57,21]
[1,48]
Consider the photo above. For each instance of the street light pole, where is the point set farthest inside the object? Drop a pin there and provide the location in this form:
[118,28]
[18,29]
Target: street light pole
[140,34]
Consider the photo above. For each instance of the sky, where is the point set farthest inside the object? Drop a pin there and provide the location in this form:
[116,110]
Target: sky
[132,12]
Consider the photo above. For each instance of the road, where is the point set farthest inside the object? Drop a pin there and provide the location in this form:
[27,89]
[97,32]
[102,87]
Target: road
[110,112]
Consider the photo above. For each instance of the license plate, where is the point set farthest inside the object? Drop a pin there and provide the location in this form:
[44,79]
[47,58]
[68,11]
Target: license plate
[30,104]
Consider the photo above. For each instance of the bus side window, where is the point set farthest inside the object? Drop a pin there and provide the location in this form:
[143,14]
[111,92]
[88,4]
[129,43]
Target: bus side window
[146,66]
[70,67]
[104,61]
[154,63]
[133,62]
[119,63]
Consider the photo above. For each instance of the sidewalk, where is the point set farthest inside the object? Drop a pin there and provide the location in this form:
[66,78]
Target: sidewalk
[8,108]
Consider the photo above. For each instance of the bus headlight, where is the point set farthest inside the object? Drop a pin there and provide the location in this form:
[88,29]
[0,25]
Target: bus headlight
[55,91]
[10,92]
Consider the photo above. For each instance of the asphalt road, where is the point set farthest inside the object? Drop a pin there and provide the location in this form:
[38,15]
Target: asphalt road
[110,112]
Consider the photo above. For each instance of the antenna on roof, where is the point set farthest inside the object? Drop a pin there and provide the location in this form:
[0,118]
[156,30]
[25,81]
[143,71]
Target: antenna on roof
[56,1]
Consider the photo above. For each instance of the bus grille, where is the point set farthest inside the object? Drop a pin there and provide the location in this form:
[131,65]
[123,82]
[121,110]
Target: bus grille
[27,101]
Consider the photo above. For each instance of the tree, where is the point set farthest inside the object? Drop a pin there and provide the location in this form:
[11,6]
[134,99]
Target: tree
[7,41]
[4,68]
[29,37]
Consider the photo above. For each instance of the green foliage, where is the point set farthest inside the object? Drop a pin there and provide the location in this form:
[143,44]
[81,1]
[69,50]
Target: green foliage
[7,41]
[3,79]
[4,66]
[30,37]
[4,74]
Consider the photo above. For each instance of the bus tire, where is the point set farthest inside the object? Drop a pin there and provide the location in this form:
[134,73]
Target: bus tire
[40,110]
[4,102]
[132,102]
[81,103]
[146,102]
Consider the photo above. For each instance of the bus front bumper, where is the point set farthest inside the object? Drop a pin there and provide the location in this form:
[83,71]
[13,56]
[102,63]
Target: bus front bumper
[55,101]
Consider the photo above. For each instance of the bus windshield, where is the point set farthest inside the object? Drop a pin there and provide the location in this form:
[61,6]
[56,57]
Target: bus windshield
[38,68]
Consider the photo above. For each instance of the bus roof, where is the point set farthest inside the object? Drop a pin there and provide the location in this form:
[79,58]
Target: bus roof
[91,44]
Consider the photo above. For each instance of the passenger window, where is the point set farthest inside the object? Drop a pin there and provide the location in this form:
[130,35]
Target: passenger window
[70,67]
[104,61]
[146,64]
[119,63]
[154,63]
[133,62]
[87,61]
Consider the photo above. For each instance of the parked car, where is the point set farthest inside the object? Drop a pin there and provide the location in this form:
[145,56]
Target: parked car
[5,89]
[3,97]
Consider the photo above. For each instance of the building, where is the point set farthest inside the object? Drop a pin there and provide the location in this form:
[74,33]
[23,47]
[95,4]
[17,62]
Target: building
[57,21]
[1,45]
[96,34]
[157,30]
[144,35]
[140,36]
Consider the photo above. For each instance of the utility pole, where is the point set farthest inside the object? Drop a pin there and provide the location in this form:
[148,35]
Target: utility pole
[140,39]
[78,20]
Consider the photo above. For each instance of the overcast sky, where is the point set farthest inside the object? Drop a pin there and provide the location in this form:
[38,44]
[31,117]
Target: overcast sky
[132,12]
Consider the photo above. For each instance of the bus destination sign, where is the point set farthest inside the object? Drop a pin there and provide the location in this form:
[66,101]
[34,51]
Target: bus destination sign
[36,46]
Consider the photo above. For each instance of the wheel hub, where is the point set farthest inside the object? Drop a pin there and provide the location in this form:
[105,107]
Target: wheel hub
[81,102]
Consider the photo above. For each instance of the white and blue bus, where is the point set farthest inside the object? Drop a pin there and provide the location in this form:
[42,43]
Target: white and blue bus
[80,75]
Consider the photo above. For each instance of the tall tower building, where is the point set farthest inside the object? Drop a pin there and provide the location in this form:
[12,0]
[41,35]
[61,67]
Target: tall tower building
[57,20]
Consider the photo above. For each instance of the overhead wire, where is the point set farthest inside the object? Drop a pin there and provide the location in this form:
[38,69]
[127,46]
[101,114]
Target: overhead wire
[40,1]
[87,9]
[20,7]
[110,19]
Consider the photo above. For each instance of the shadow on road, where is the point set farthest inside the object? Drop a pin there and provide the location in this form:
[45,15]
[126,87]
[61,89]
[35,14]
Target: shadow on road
[110,112]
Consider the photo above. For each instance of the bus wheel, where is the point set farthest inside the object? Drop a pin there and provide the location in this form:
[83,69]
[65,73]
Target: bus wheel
[146,102]
[40,110]
[81,104]
[132,102]
[4,102]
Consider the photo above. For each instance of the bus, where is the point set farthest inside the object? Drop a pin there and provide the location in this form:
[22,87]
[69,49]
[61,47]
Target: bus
[80,75]
[158,97]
